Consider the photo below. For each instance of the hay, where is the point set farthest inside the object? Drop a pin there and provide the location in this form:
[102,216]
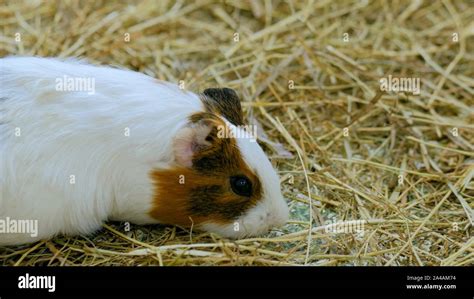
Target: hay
[306,70]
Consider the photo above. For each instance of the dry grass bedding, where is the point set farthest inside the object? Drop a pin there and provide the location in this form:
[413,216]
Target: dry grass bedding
[399,164]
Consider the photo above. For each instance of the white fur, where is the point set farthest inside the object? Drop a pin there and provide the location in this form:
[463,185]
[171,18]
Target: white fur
[73,133]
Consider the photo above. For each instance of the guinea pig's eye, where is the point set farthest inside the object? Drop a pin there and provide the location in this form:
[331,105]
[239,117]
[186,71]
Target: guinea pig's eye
[241,185]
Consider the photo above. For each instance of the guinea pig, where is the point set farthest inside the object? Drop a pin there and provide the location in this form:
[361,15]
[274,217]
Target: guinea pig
[82,144]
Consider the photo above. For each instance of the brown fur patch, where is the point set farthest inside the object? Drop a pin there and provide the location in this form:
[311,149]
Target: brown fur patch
[206,194]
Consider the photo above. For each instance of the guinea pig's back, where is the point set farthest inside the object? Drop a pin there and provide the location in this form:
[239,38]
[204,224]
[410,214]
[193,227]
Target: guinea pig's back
[63,151]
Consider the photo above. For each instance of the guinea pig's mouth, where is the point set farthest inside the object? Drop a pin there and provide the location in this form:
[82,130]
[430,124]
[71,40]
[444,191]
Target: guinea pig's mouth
[260,220]
[241,228]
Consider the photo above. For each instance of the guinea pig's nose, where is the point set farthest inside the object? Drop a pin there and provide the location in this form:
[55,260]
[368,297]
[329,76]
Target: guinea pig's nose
[274,222]
[280,221]
[266,217]
[281,217]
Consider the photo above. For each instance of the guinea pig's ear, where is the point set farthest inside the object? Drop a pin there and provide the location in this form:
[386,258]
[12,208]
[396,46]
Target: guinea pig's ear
[224,101]
[195,138]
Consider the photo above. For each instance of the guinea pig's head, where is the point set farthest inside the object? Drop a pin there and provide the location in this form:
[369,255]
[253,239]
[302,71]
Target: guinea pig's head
[221,180]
